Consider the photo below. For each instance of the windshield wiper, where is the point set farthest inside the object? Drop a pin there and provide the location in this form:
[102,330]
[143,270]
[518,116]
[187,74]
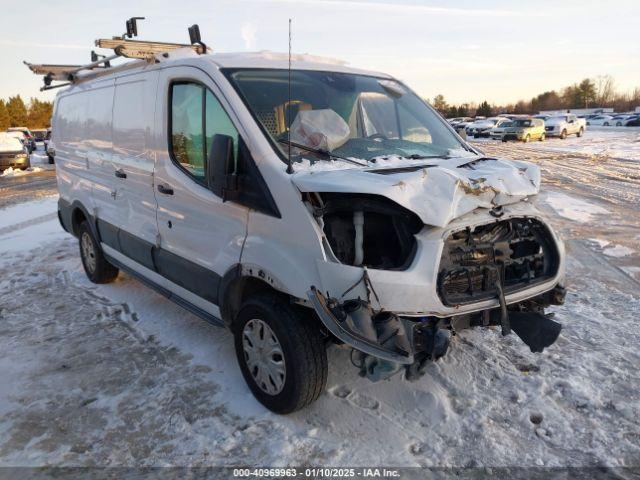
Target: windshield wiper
[322,152]
[415,156]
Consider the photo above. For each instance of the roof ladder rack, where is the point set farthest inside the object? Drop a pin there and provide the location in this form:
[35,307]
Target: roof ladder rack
[122,46]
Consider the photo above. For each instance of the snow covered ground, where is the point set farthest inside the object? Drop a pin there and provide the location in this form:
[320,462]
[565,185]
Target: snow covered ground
[117,375]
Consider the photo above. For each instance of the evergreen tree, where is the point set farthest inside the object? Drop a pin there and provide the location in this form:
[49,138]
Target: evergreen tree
[484,110]
[17,111]
[39,113]
[587,93]
[5,120]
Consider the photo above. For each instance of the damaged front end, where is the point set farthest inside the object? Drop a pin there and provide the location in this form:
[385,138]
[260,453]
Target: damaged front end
[502,270]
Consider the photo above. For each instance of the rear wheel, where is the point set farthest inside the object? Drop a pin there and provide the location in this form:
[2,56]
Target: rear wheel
[97,268]
[606,124]
[580,132]
[543,137]
[281,353]
[527,139]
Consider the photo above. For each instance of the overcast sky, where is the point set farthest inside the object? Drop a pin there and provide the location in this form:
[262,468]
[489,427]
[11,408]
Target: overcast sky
[497,50]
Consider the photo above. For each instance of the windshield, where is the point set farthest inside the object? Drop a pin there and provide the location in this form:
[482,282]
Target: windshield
[9,143]
[355,116]
[522,123]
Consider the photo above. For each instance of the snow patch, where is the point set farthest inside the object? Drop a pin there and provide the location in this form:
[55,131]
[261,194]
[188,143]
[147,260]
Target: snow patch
[16,172]
[618,251]
[573,208]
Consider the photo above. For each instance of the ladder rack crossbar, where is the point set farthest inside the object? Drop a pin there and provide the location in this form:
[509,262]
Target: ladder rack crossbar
[143,49]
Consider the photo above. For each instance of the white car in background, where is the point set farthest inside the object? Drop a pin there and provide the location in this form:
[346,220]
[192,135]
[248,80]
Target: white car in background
[457,120]
[564,125]
[621,119]
[601,120]
[483,128]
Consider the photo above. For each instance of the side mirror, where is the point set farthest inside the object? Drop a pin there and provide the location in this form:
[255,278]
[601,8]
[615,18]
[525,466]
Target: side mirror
[221,175]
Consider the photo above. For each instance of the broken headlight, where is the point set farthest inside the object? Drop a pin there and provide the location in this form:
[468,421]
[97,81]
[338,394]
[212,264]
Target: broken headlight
[367,230]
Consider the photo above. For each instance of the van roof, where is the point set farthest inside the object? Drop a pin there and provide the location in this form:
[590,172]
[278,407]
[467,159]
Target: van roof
[255,60]
[268,59]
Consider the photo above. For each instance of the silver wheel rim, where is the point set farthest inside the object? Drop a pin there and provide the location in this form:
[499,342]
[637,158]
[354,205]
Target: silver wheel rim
[263,356]
[88,252]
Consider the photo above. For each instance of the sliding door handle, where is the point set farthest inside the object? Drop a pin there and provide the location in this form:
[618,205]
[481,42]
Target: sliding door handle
[165,190]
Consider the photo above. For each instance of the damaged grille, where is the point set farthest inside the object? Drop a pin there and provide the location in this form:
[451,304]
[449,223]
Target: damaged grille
[518,252]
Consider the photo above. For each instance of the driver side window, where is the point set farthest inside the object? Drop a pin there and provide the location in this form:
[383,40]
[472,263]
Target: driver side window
[196,116]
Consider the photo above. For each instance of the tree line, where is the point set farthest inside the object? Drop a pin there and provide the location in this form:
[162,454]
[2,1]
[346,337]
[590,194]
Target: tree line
[15,113]
[589,93]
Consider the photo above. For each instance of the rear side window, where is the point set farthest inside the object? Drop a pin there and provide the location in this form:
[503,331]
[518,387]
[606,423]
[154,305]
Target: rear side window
[196,116]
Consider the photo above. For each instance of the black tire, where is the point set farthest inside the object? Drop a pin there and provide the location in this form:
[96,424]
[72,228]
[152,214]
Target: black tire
[543,137]
[527,139]
[97,268]
[302,346]
[606,124]
[580,132]
[563,134]
[51,160]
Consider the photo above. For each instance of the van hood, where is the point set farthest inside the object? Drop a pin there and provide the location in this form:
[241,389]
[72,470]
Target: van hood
[437,191]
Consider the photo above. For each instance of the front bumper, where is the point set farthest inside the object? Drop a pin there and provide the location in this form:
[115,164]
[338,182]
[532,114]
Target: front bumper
[415,300]
[413,291]
[14,160]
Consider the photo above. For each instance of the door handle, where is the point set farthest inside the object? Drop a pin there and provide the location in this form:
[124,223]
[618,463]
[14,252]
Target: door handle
[120,173]
[165,189]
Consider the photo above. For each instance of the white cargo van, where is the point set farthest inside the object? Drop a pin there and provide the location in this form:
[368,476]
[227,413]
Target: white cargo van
[386,232]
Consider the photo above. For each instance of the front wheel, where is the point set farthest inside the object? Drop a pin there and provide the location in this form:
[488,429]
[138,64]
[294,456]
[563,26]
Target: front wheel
[96,266]
[281,353]
[543,137]
[606,124]
[527,139]
[580,132]
[563,134]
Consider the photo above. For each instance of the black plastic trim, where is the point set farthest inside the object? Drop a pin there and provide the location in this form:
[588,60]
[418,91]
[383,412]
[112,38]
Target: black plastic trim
[65,213]
[190,276]
[185,273]
[168,294]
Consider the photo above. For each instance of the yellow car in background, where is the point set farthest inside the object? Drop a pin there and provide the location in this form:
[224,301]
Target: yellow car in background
[524,129]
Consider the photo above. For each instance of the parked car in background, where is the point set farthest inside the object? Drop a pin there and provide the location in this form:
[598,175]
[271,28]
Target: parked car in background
[38,135]
[31,142]
[457,120]
[13,153]
[564,125]
[621,119]
[483,128]
[600,120]
[50,153]
[524,129]
[633,122]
